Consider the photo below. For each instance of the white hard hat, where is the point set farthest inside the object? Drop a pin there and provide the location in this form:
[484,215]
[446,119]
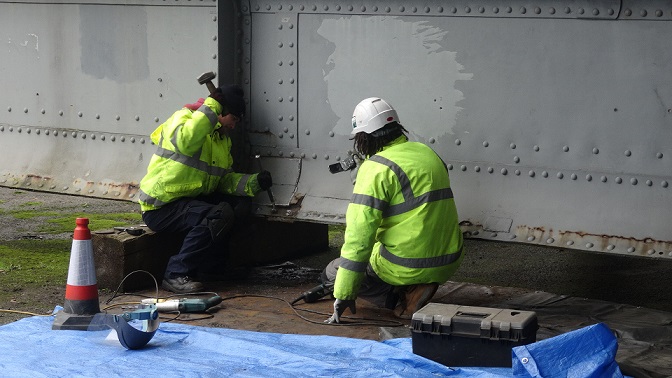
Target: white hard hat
[372,114]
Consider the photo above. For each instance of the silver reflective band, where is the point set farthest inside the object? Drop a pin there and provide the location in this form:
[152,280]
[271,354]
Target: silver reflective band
[146,198]
[405,183]
[363,199]
[422,262]
[191,162]
[208,113]
[436,195]
[240,189]
[355,266]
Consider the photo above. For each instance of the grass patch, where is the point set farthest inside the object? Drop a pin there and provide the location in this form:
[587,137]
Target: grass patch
[30,214]
[28,264]
[31,203]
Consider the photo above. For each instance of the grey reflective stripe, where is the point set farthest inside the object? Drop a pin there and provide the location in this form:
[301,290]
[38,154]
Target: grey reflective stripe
[205,109]
[240,189]
[362,199]
[435,195]
[422,262]
[355,266]
[191,162]
[405,183]
[146,198]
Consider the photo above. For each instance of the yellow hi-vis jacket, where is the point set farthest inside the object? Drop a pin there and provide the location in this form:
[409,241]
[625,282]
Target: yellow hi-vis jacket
[192,159]
[402,219]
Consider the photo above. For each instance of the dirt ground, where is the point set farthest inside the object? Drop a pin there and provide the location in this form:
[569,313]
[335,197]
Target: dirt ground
[255,300]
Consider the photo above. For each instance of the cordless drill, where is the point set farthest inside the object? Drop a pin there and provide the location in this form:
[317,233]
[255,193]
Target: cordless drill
[186,305]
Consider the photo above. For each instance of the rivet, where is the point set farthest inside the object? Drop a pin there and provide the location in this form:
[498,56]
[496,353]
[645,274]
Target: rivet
[326,157]
[490,169]
[280,118]
[46,132]
[388,10]
[314,156]
[415,9]
[596,151]
[628,12]
[523,10]
[102,137]
[9,109]
[123,139]
[644,13]
[649,183]
[596,12]
[531,173]
[477,168]
[486,144]
[495,10]
[512,236]
[618,180]
[280,99]
[570,242]
[401,9]
[18,130]
[93,136]
[80,114]
[513,146]
[650,252]
[60,112]
[291,26]
[603,178]
[331,134]
[453,10]
[610,247]
[432,140]
[463,168]
[132,139]
[291,136]
[55,132]
[25,110]
[476,233]
[303,155]
[628,152]
[65,134]
[291,154]
[537,10]
[440,9]
[83,136]
[281,136]
[560,175]
[291,98]
[659,13]
[363,8]
[280,63]
[307,132]
[509,9]
[573,176]
[631,249]
[581,11]
[544,174]
[467,9]
[551,10]
[427,10]
[550,240]
[458,142]
[450,167]
[565,148]
[280,153]
[589,177]
[338,7]
[113,138]
[531,238]
[65,188]
[633,181]
[118,118]
[664,184]
[589,245]
[37,131]
[504,171]
[156,119]
[517,172]
[516,159]
[493,235]
[137,118]
[536,148]
[659,155]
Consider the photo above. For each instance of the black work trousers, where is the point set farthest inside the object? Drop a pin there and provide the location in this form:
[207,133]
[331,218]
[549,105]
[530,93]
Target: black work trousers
[199,253]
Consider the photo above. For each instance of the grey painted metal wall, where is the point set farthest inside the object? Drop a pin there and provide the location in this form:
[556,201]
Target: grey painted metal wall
[554,116]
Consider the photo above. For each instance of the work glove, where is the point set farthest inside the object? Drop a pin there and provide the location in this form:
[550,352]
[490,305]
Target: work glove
[339,307]
[264,179]
[218,96]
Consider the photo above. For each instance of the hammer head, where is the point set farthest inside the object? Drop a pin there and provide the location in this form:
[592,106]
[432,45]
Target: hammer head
[206,78]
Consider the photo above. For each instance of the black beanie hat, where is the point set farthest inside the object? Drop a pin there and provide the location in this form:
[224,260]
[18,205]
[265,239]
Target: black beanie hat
[234,97]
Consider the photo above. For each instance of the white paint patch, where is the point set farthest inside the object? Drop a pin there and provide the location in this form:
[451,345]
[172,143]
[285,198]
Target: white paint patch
[401,61]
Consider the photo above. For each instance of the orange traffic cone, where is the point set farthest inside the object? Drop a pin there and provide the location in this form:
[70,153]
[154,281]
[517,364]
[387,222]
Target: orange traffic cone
[81,291]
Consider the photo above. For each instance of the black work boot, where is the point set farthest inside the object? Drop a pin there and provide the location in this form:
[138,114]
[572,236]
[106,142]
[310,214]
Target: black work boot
[182,285]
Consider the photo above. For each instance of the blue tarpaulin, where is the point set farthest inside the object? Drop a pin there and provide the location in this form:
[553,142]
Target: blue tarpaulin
[30,348]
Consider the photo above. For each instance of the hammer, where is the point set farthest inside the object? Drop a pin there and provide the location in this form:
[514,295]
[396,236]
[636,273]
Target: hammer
[206,78]
[270,193]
